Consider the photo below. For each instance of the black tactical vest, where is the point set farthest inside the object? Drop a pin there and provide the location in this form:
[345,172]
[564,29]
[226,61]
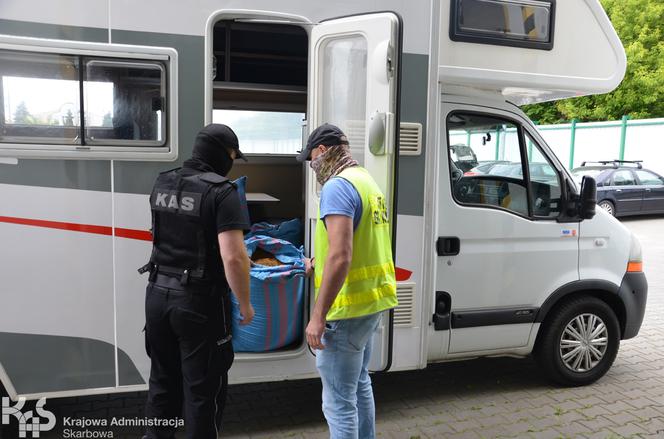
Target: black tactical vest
[184,234]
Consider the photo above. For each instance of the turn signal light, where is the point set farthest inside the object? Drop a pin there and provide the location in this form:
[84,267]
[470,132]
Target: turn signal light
[634,267]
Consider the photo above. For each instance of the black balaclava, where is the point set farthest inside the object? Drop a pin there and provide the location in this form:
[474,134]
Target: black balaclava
[210,149]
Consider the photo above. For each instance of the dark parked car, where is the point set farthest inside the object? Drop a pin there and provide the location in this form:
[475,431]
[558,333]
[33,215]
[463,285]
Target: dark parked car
[624,187]
[540,172]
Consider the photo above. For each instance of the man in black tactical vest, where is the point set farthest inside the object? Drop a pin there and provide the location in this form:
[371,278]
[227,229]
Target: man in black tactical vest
[198,256]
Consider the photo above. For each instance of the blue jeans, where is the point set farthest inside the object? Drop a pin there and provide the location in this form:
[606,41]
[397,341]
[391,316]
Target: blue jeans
[348,403]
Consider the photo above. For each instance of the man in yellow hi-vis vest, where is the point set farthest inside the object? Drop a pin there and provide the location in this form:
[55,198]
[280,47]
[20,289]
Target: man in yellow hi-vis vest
[354,281]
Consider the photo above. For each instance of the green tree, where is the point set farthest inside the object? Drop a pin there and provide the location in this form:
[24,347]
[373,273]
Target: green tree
[107,121]
[22,115]
[68,119]
[52,120]
[640,26]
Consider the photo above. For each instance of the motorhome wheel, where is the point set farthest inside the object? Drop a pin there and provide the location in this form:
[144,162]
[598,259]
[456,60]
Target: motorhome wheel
[579,341]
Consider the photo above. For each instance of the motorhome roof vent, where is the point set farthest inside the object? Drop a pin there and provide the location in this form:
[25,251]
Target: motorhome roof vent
[403,313]
[410,138]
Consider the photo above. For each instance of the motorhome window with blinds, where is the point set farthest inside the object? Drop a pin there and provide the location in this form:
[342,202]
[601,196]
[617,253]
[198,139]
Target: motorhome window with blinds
[518,23]
[58,100]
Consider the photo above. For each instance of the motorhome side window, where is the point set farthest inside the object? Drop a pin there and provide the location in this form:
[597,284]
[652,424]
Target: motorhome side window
[264,132]
[545,192]
[485,161]
[124,102]
[517,23]
[260,84]
[40,98]
[80,101]
[487,155]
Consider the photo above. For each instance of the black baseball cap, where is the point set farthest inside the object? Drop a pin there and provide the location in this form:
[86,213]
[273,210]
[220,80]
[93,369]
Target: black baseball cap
[222,135]
[326,134]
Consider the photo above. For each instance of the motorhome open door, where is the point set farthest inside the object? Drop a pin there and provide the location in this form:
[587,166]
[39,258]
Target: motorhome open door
[353,84]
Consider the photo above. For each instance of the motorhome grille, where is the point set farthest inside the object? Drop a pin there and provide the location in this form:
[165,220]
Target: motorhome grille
[403,313]
[410,138]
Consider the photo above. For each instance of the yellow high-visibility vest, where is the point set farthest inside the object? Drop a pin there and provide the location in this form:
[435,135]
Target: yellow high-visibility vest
[370,285]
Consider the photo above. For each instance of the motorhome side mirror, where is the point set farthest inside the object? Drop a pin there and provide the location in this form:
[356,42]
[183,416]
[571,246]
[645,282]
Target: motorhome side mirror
[588,199]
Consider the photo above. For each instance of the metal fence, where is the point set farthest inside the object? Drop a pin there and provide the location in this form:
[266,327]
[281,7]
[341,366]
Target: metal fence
[624,139]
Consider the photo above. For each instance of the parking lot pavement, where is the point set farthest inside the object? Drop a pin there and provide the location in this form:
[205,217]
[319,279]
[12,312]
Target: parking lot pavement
[490,398]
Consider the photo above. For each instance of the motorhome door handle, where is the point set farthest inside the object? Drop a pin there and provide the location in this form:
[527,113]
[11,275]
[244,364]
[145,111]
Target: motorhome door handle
[448,246]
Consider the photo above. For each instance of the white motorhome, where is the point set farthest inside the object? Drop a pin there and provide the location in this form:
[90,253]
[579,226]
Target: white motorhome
[99,96]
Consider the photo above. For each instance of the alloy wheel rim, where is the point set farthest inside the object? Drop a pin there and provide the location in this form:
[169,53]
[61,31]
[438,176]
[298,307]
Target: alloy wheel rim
[583,342]
[607,207]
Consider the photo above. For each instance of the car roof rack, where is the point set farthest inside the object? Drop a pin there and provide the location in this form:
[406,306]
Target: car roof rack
[615,163]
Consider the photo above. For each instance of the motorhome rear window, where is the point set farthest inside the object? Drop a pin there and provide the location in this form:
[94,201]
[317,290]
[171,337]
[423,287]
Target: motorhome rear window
[517,23]
[86,100]
[264,132]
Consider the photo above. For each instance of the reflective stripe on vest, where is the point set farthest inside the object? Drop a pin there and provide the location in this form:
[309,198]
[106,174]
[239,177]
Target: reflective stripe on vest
[370,285]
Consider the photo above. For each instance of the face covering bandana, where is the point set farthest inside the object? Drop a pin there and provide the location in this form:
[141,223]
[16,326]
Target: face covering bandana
[332,162]
[209,155]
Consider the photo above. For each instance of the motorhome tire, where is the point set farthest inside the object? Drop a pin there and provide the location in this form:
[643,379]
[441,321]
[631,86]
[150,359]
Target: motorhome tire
[579,341]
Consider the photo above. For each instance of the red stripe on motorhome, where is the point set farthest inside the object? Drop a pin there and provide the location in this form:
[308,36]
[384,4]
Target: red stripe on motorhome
[142,235]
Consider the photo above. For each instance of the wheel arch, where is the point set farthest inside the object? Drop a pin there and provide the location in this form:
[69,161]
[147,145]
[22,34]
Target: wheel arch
[601,289]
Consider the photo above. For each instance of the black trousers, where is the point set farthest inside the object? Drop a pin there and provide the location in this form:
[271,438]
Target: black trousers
[187,336]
